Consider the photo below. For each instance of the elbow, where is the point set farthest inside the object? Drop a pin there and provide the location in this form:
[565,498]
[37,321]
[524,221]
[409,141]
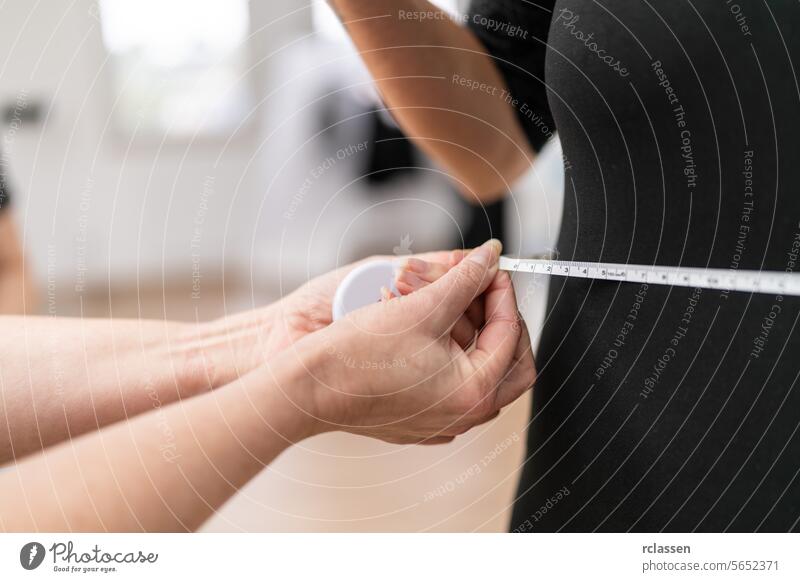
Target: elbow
[483,179]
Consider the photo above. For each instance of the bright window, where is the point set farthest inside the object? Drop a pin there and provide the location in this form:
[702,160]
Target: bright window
[179,66]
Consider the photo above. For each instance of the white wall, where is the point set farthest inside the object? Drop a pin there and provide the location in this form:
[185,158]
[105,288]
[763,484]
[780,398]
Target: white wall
[76,178]
[94,206]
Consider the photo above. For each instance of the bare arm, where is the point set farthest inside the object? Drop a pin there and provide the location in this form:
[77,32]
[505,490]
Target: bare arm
[443,89]
[61,378]
[168,470]
[120,479]
[17,291]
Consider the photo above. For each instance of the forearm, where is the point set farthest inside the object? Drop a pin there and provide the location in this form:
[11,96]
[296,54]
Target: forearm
[443,89]
[62,377]
[167,470]
[17,289]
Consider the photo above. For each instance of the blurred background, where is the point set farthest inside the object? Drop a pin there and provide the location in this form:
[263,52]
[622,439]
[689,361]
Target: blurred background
[188,159]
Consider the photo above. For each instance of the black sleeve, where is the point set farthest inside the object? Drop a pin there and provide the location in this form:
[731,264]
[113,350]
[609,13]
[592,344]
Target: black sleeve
[515,32]
[4,195]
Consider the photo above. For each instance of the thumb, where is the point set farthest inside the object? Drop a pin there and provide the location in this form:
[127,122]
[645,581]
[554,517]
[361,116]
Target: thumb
[452,294]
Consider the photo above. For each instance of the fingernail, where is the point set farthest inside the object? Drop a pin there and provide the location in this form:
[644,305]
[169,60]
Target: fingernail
[386,295]
[487,253]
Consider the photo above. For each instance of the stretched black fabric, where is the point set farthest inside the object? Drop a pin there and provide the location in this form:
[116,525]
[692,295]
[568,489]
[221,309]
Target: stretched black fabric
[515,33]
[661,408]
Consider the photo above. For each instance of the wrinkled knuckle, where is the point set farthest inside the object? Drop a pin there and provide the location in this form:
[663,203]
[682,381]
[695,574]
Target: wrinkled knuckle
[519,324]
[473,273]
[512,322]
[425,304]
[431,302]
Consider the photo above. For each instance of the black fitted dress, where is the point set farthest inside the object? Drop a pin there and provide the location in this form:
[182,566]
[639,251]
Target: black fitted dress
[658,408]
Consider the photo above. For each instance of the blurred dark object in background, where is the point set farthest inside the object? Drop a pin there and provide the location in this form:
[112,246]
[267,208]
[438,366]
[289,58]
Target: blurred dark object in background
[391,154]
[485,222]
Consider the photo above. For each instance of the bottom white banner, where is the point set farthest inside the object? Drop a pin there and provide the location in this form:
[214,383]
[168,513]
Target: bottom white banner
[406,557]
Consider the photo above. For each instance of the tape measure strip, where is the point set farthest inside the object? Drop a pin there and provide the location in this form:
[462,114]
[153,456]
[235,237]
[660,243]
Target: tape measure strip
[772,282]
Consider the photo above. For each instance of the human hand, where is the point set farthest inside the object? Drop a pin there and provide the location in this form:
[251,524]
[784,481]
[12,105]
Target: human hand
[310,308]
[235,345]
[396,370]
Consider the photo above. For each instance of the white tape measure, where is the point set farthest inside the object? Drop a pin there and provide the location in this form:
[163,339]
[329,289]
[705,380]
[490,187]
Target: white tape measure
[363,285]
[772,282]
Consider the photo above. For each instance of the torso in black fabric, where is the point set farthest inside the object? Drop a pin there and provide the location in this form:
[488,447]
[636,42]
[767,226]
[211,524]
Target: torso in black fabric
[662,408]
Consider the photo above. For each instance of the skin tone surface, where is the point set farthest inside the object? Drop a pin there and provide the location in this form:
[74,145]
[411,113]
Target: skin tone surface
[17,292]
[114,425]
[62,380]
[444,91]
[245,389]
